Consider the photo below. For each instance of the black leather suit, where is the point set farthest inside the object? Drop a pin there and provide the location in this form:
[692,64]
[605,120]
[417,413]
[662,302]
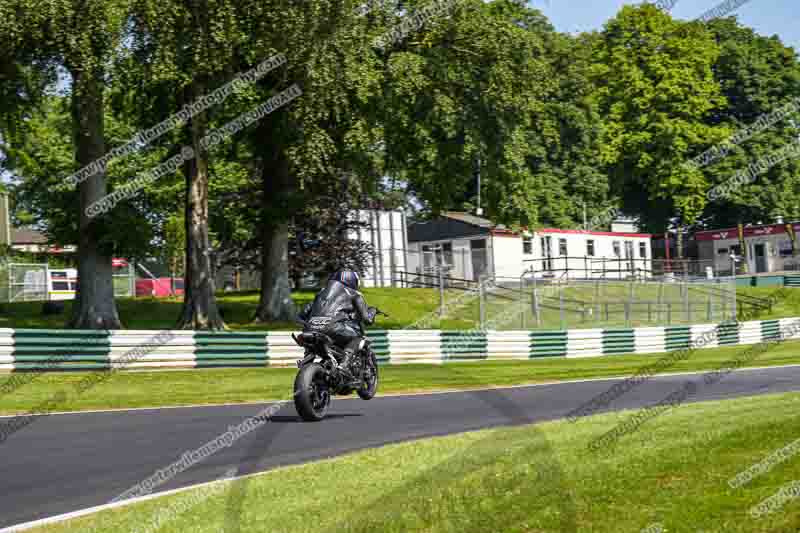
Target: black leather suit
[347,309]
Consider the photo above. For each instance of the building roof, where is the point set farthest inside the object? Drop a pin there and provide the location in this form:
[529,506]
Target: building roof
[454,225]
[27,236]
[448,226]
[587,232]
[469,219]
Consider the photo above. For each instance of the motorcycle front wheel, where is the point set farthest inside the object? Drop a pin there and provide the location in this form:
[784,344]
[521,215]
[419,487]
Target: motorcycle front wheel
[369,388]
[312,395]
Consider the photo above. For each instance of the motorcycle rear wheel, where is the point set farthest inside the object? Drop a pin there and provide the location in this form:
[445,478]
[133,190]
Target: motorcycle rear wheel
[312,395]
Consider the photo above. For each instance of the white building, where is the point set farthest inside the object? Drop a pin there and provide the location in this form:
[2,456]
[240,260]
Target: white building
[472,246]
[387,234]
[768,248]
[26,240]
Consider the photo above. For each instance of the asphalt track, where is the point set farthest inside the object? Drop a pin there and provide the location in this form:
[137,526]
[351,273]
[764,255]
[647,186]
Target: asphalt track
[64,463]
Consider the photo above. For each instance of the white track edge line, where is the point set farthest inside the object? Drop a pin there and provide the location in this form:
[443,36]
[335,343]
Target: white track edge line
[98,508]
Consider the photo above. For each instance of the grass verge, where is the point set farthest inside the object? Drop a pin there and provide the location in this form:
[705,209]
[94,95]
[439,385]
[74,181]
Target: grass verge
[198,387]
[673,472]
[406,307]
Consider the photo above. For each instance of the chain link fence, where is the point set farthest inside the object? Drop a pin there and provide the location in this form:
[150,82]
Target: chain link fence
[124,280]
[35,282]
[23,282]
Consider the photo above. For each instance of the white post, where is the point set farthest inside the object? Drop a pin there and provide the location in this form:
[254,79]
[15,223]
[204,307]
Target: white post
[47,282]
[131,280]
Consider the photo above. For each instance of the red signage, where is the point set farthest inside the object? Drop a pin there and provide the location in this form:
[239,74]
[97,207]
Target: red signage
[119,263]
[754,231]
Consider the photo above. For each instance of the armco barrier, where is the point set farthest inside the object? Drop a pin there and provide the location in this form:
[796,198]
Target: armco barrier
[43,349]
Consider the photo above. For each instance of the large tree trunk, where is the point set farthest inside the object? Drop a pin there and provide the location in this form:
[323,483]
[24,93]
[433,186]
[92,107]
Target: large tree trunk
[200,309]
[94,306]
[275,302]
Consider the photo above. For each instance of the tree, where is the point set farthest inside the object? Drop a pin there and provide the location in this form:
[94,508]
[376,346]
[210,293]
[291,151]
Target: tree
[758,76]
[189,45]
[80,37]
[324,132]
[492,88]
[572,153]
[326,232]
[174,245]
[655,89]
[40,193]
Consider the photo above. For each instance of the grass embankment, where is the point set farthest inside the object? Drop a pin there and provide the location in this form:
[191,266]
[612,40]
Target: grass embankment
[406,307]
[674,472]
[603,305]
[198,387]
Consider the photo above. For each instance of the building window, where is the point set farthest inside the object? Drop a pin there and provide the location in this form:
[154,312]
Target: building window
[590,248]
[562,246]
[643,250]
[527,245]
[617,249]
[447,250]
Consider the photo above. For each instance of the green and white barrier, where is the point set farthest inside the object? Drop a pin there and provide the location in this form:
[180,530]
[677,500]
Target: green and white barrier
[22,350]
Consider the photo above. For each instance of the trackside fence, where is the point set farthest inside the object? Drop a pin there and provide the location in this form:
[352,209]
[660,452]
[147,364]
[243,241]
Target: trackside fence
[72,350]
[602,303]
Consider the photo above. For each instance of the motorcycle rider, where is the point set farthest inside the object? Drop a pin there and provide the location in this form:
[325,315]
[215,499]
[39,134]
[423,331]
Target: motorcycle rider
[344,305]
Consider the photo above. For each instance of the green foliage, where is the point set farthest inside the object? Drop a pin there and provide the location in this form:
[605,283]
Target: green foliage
[174,243]
[553,122]
[757,75]
[655,89]
[324,234]
[464,91]
[494,88]
[43,154]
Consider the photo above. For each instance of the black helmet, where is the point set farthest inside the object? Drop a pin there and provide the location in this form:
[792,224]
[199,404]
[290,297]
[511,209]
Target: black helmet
[348,277]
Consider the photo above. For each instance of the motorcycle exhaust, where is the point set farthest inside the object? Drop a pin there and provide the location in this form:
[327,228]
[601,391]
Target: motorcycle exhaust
[306,360]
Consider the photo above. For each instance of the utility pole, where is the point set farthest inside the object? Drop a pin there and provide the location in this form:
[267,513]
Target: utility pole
[585,224]
[479,210]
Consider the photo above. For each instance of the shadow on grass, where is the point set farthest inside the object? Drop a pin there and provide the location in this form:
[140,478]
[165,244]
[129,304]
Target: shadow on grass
[514,498]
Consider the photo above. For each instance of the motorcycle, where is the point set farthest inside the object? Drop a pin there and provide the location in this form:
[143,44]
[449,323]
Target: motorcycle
[325,372]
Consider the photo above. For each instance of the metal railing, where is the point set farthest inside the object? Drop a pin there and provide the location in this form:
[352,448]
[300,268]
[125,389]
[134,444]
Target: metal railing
[561,303]
[586,267]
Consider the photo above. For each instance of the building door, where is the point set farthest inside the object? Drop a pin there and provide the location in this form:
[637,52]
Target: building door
[428,259]
[629,256]
[760,254]
[479,259]
[547,253]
